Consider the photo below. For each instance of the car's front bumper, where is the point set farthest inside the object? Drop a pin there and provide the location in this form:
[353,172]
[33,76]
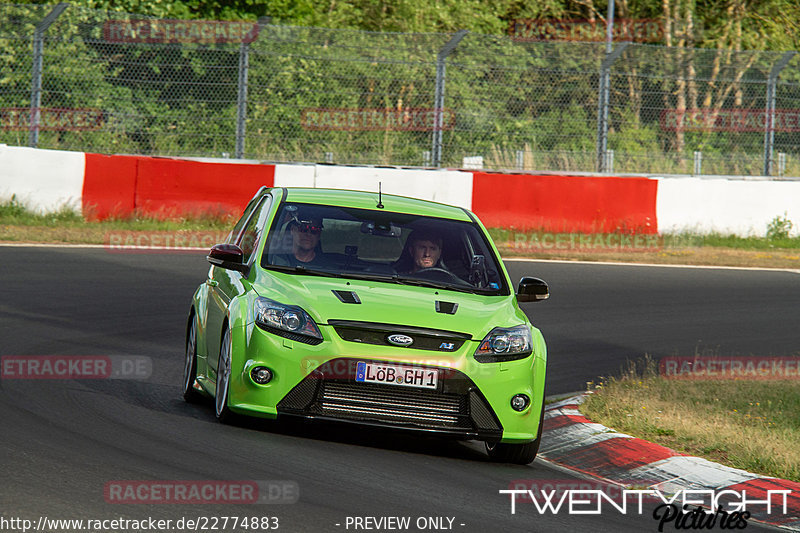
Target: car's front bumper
[317,381]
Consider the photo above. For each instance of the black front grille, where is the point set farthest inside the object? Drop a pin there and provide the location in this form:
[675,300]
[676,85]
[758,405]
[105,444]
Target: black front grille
[456,407]
[365,400]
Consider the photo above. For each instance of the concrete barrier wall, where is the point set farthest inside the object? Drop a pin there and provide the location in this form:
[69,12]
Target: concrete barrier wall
[120,185]
[42,180]
[451,187]
[725,206]
[575,204]
[104,186]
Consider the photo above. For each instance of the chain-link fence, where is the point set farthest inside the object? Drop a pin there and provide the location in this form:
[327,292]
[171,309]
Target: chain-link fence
[79,79]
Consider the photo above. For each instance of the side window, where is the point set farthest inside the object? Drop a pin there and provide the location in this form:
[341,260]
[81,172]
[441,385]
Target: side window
[248,240]
[237,229]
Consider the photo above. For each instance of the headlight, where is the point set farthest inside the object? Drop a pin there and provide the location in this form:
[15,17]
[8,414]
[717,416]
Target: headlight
[505,344]
[287,321]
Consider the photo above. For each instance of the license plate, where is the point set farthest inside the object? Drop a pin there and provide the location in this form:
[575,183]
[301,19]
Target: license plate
[404,376]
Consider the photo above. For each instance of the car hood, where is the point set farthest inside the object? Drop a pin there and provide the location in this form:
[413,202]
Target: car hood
[391,303]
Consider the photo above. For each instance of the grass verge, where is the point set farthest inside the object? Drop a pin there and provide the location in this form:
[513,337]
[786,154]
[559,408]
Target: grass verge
[18,224]
[684,248]
[747,424]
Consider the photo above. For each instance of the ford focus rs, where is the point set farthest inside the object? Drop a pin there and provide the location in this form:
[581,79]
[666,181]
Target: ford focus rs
[368,309]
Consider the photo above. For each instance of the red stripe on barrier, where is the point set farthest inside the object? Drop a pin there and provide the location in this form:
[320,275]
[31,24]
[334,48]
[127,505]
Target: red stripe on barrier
[756,490]
[555,422]
[109,185]
[121,185]
[613,456]
[569,204]
[169,187]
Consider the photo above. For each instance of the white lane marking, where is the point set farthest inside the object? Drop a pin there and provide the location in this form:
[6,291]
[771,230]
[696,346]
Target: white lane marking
[562,412]
[575,436]
[613,263]
[575,398]
[98,246]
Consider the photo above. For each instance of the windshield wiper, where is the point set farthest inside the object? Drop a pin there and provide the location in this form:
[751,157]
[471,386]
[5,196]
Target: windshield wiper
[406,280]
[401,280]
[299,269]
[368,277]
[302,270]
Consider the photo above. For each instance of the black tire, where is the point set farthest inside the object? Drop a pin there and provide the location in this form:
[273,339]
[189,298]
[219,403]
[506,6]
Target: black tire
[221,409]
[190,364]
[519,454]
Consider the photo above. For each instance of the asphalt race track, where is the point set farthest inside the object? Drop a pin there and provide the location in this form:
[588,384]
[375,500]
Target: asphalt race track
[63,441]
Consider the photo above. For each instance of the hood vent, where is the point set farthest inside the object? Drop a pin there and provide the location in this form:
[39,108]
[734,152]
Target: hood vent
[348,297]
[448,308]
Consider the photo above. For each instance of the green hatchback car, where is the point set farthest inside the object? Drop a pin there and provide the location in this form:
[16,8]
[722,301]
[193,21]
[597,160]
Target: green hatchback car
[370,309]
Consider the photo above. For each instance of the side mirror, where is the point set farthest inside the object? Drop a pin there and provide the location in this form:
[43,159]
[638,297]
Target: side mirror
[228,256]
[532,290]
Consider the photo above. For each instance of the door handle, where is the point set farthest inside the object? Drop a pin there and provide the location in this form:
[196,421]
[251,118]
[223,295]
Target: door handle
[212,283]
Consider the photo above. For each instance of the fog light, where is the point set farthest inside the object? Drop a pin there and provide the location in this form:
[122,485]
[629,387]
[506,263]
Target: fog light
[520,402]
[261,375]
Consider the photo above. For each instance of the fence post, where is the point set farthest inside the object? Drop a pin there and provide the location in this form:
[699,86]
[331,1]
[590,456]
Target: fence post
[769,119]
[609,161]
[241,99]
[36,74]
[438,105]
[698,163]
[602,104]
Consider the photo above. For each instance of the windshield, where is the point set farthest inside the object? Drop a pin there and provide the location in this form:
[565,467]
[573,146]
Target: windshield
[377,245]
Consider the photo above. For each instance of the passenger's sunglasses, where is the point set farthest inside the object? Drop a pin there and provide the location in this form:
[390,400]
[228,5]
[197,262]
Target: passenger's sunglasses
[309,228]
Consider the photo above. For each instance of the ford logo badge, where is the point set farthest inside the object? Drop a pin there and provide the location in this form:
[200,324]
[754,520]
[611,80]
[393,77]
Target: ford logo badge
[400,340]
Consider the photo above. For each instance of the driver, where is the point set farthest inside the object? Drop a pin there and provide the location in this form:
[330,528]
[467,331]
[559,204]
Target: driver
[423,249]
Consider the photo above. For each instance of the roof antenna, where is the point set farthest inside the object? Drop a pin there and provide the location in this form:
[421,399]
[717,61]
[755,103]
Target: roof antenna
[380,204]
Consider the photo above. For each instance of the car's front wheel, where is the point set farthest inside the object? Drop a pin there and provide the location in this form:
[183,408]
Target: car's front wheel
[223,412]
[190,363]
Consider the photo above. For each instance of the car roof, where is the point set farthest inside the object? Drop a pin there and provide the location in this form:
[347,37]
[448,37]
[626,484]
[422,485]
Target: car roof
[369,200]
